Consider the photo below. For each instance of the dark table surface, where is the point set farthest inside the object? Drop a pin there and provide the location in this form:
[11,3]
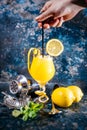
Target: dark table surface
[72,118]
[19,32]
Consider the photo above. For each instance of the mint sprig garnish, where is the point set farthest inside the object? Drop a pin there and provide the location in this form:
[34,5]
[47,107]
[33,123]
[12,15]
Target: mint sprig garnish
[29,111]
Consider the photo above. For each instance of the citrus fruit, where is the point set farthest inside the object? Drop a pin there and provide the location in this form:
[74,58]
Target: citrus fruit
[62,97]
[54,47]
[77,92]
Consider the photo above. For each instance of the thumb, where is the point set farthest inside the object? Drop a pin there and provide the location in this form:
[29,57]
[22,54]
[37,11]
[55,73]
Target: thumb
[46,6]
[45,15]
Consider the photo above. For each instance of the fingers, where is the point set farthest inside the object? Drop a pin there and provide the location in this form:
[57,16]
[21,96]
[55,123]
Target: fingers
[45,15]
[53,23]
[46,6]
[61,20]
[46,25]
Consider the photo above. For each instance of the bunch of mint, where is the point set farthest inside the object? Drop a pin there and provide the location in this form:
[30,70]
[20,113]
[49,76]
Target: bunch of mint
[28,111]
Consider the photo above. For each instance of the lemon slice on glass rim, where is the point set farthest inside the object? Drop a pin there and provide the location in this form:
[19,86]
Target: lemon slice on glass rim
[54,47]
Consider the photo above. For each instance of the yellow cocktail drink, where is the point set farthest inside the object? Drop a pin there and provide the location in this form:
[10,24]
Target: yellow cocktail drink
[42,69]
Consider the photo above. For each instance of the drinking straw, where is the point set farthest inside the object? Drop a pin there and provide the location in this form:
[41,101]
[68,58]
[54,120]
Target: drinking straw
[42,39]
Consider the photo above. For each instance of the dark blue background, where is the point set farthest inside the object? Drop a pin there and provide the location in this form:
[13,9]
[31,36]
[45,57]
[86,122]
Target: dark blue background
[19,32]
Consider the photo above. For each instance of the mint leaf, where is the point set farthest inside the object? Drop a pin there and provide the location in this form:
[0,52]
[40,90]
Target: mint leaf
[32,114]
[16,113]
[25,117]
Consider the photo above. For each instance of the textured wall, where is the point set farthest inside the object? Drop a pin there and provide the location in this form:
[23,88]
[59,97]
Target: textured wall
[19,32]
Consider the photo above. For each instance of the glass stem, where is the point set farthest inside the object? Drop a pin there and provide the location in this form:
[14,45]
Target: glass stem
[42,88]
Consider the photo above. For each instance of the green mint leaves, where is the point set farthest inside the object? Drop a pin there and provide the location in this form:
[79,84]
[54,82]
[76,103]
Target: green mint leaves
[28,111]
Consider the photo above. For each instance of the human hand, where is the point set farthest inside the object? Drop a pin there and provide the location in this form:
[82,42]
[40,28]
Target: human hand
[55,12]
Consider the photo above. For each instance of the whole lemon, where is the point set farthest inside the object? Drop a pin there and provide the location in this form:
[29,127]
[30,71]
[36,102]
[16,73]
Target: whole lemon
[77,92]
[62,97]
